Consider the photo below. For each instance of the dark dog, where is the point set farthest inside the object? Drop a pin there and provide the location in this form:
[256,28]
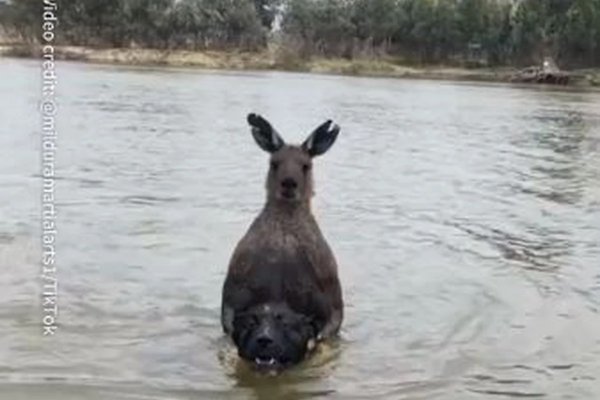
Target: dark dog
[282,292]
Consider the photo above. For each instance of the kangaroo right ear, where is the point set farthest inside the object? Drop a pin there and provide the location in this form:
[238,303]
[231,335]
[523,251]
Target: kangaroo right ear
[265,136]
[321,139]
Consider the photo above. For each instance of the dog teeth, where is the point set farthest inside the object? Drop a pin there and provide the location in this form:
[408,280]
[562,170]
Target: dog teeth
[270,361]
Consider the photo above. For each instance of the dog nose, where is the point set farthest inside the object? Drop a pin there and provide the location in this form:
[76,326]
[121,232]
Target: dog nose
[289,183]
[264,341]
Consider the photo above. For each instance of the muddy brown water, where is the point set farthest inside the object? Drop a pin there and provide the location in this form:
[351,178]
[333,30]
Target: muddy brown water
[465,218]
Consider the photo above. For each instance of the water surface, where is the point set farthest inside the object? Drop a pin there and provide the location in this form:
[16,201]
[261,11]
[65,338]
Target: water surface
[465,219]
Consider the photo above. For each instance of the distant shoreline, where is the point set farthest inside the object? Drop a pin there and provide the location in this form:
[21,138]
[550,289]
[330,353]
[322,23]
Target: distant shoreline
[269,60]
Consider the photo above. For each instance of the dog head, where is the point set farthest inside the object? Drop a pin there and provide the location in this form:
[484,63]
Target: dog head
[273,336]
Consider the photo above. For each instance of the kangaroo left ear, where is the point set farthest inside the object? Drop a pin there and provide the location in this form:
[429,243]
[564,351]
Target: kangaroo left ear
[321,139]
[264,134]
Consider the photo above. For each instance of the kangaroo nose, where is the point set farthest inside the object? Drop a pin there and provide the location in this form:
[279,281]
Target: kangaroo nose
[289,183]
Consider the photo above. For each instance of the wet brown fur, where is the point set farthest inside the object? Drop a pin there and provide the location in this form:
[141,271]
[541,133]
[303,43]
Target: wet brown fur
[284,256]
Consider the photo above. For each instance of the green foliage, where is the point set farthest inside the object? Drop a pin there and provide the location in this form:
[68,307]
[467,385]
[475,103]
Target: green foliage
[194,24]
[324,26]
[580,35]
[375,20]
[444,31]
[267,11]
[495,31]
[22,19]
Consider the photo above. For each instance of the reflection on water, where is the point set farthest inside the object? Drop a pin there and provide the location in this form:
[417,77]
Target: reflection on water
[541,251]
[465,219]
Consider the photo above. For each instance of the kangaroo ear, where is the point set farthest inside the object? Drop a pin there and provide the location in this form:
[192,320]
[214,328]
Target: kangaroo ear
[265,136]
[321,139]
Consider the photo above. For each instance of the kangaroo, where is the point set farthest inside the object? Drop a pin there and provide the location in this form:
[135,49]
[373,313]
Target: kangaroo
[282,293]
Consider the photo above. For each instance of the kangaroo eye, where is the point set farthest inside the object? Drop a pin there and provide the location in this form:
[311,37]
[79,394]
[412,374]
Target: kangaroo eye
[274,165]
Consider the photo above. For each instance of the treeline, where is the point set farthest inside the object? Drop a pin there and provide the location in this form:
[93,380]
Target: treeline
[189,24]
[490,31]
[495,32]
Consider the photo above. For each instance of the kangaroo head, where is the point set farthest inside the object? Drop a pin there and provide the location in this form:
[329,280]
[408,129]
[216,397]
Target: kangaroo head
[290,179]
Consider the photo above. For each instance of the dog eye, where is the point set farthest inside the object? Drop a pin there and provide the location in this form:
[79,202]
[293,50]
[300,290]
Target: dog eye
[274,165]
[251,320]
[305,168]
[282,320]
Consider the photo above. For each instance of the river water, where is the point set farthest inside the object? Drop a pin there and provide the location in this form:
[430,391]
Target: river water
[465,218]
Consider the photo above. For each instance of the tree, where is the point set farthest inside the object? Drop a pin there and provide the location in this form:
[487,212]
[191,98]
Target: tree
[514,32]
[375,20]
[528,33]
[267,10]
[323,26]
[579,36]
[22,19]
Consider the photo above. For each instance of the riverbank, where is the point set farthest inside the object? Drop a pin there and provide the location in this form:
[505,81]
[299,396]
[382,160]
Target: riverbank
[277,60]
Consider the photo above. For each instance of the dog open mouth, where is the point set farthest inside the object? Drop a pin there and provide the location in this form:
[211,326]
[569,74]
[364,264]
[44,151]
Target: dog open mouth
[266,362]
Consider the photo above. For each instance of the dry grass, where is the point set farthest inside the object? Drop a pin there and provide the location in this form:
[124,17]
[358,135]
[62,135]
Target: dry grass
[286,58]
